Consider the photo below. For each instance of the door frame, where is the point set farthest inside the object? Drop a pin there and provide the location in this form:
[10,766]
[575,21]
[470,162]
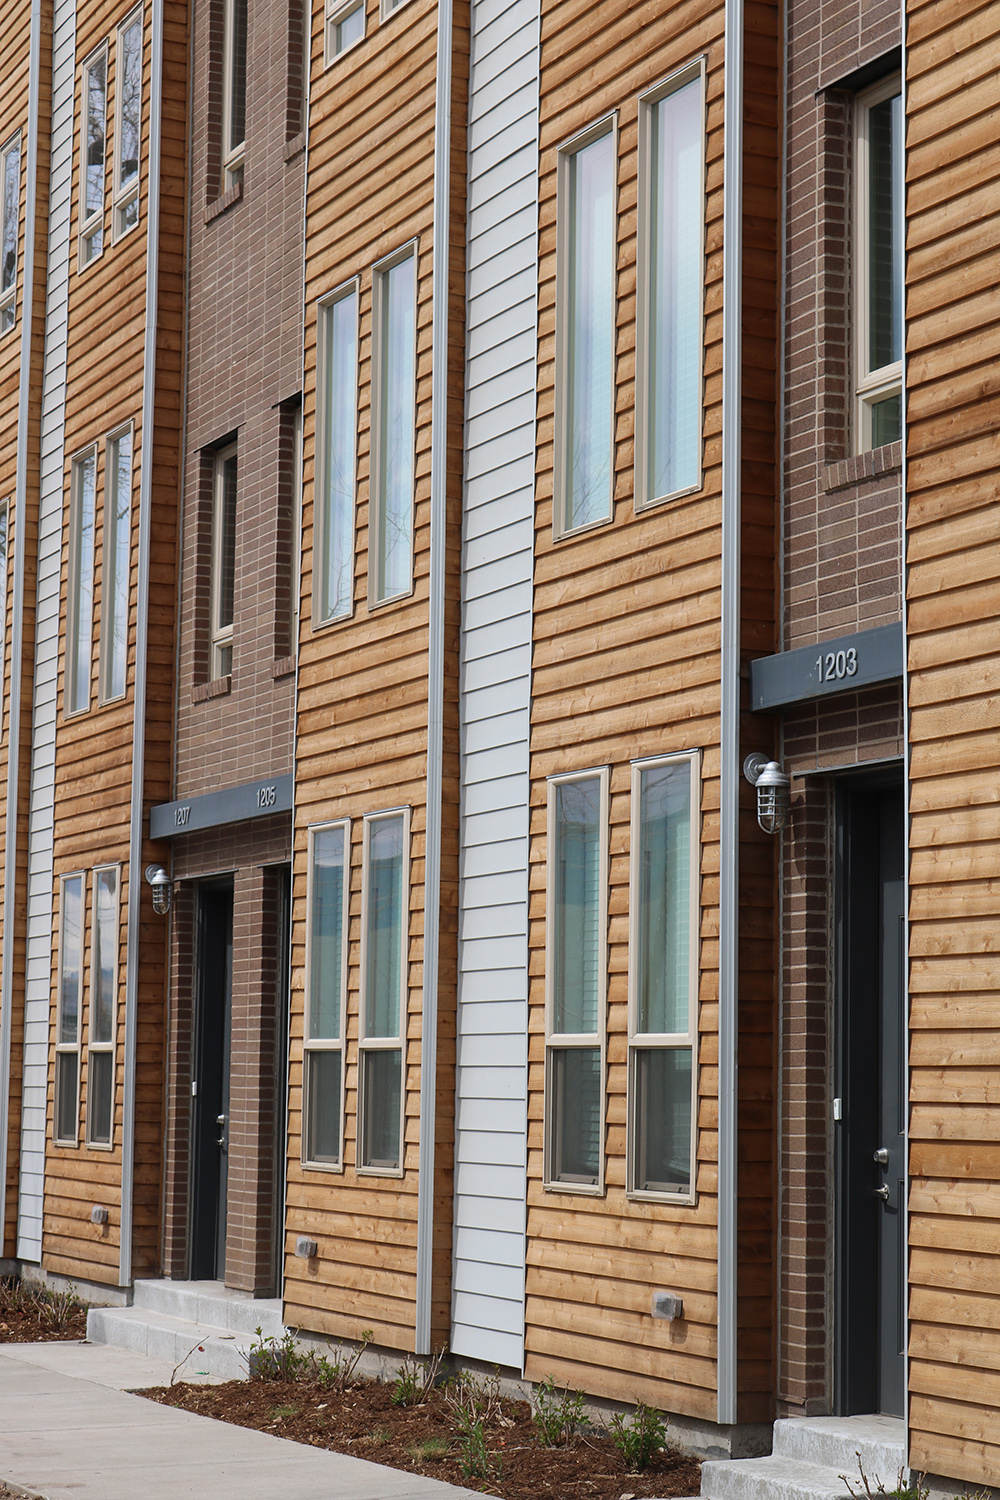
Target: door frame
[855,1233]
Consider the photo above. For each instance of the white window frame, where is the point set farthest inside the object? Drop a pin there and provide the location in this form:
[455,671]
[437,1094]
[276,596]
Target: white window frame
[69,1050]
[234,156]
[88,227]
[105,677]
[124,197]
[644,498]
[376,496]
[8,295]
[79,600]
[321,509]
[335,16]
[652,1041]
[871,385]
[606,125]
[107,1048]
[557,1042]
[313,1045]
[388,8]
[367,1045]
[221,635]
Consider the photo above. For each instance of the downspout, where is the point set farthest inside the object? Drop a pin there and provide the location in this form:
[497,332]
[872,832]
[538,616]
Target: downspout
[17,601]
[135,880]
[435,680]
[905,1205]
[732,357]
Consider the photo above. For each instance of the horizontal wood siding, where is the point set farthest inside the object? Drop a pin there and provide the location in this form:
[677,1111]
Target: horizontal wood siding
[491,1123]
[953,359]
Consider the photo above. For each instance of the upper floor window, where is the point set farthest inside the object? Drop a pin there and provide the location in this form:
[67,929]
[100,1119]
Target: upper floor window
[128,123]
[585,330]
[337,398]
[878,332]
[234,91]
[117,557]
[80,581]
[345,27]
[224,483]
[394,352]
[669,338]
[92,148]
[10,166]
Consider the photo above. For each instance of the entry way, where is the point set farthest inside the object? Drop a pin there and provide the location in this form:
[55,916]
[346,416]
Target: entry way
[210,1082]
[872,1092]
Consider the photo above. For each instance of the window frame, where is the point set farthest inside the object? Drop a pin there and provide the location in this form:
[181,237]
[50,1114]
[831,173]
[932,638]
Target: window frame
[321,509]
[105,675]
[220,637]
[108,1048]
[886,381]
[335,16]
[123,197]
[8,295]
[313,1045]
[87,227]
[376,495]
[295,542]
[388,8]
[558,1042]
[75,604]
[368,1045]
[607,125]
[663,1041]
[233,156]
[643,499]
[69,1049]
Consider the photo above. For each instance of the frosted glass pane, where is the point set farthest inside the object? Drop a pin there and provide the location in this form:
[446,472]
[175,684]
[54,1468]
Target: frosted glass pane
[662,1127]
[576,944]
[336,564]
[117,540]
[81,584]
[323,1106]
[590,398]
[326,934]
[380,1134]
[396,409]
[664,895]
[675,284]
[70,956]
[576,1114]
[130,82]
[104,963]
[384,928]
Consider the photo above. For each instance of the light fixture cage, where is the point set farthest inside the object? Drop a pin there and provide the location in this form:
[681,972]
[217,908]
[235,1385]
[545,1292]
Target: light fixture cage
[160,884]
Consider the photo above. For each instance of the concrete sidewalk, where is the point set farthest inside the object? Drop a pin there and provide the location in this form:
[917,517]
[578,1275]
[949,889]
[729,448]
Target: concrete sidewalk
[71,1430]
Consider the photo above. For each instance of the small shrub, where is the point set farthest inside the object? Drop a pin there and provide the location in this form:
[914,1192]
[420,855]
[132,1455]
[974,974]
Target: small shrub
[555,1415]
[415,1381]
[640,1437]
[475,1403]
[271,1358]
[338,1373]
[476,1458]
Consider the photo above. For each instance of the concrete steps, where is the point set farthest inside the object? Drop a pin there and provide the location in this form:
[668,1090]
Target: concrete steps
[200,1325]
[809,1458]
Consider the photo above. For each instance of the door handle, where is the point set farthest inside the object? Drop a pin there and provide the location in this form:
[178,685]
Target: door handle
[882,1192]
[221,1120]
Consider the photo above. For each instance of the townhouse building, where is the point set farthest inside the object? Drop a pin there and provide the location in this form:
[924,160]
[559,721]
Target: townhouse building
[449,451]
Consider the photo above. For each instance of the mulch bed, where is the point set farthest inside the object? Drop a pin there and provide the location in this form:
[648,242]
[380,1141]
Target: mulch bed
[364,1422]
[28,1316]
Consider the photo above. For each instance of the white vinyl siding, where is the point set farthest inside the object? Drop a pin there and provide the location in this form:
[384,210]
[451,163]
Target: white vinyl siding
[128,123]
[491,1123]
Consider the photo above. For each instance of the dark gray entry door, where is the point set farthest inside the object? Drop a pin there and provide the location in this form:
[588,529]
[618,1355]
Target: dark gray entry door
[210,1079]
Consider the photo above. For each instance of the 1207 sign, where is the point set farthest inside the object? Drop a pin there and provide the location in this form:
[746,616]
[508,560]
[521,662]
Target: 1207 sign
[834,666]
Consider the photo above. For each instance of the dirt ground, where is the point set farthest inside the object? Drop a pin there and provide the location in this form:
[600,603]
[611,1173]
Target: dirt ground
[30,1316]
[425,1439]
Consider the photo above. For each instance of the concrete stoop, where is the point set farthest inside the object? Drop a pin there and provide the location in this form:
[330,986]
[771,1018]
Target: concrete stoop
[201,1326]
[809,1456]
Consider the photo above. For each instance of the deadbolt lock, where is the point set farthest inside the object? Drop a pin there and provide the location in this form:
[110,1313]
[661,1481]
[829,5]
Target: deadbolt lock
[882,1156]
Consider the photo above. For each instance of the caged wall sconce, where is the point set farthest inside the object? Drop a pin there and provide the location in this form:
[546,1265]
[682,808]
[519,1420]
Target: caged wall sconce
[773,791]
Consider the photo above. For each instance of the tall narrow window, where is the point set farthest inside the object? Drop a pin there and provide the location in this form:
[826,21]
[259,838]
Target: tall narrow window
[80,600]
[10,214]
[128,122]
[326,969]
[92,148]
[4,523]
[394,298]
[663,968]
[338,401]
[117,556]
[234,91]
[383,991]
[585,331]
[879,266]
[576,979]
[669,288]
[224,484]
[345,27]
[67,1100]
[103,1009]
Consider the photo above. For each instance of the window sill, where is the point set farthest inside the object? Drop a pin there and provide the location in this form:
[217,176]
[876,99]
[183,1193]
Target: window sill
[861,466]
[228,198]
[282,666]
[295,146]
[220,687]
